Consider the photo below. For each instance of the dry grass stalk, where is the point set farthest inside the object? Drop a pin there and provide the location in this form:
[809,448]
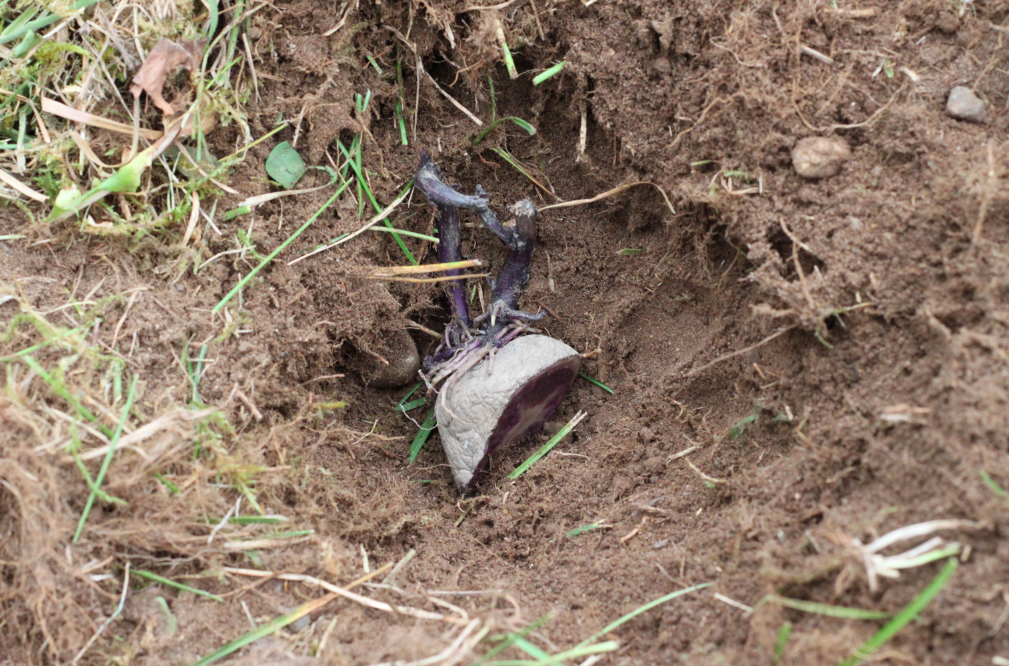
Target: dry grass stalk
[343,592]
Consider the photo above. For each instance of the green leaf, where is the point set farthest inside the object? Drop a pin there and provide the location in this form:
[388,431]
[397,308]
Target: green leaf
[127,178]
[285,165]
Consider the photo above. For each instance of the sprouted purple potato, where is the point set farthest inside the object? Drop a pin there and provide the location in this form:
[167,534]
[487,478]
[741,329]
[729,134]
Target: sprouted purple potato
[495,385]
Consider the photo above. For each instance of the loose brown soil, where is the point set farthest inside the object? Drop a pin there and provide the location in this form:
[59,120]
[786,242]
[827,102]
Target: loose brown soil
[878,404]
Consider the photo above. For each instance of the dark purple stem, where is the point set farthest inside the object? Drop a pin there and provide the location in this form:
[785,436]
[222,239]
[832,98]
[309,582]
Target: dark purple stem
[450,250]
[428,180]
[515,274]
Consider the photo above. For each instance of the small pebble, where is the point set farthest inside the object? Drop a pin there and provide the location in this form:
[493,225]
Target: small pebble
[965,105]
[301,623]
[819,157]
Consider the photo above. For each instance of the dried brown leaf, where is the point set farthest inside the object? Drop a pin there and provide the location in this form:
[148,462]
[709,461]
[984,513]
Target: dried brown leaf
[164,60]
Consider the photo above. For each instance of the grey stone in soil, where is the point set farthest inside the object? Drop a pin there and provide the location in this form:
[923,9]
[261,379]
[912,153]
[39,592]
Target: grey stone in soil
[402,361]
[301,623]
[963,104]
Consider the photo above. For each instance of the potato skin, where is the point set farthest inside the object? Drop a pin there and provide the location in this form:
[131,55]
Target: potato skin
[484,411]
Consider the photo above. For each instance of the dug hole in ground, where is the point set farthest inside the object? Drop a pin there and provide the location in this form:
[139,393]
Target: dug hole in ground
[802,318]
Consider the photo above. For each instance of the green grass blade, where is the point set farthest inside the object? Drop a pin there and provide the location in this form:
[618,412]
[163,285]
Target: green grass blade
[213,12]
[108,456]
[102,495]
[948,551]
[171,583]
[406,397]
[237,11]
[507,157]
[508,640]
[561,657]
[425,431]
[578,531]
[257,520]
[42,22]
[172,488]
[530,649]
[779,646]
[403,232]
[280,248]
[598,383]
[518,121]
[57,337]
[402,124]
[827,609]
[642,609]
[363,183]
[493,98]
[991,483]
[545,449]
[506,53]
[905,616]
[413,404]
[194,379]
[548,73]
[244,210]
[22,20]
[252,636]
[61,391]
